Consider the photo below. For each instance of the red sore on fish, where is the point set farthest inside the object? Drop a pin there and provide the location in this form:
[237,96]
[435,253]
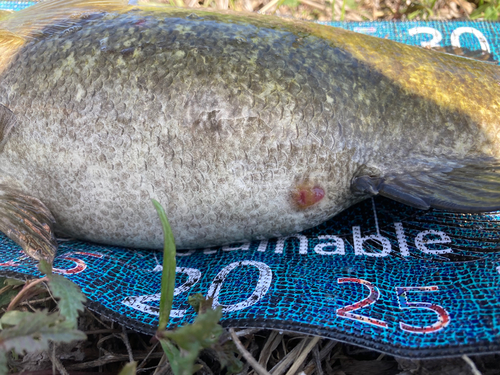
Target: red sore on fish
[306,195]
[141,23]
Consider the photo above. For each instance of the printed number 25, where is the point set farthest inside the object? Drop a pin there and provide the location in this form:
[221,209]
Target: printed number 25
[443,316]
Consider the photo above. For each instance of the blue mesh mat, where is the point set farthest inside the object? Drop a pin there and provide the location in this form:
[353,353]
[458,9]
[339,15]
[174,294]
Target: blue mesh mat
[15,5]
[466,34]
[411,283]
[381,275]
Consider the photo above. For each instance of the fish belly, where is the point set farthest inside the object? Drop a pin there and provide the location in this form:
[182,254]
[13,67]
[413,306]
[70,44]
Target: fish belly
[113,115]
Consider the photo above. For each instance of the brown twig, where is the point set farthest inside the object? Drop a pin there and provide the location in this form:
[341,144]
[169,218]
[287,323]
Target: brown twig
[251,360]
[327,349]
[96,318]
[317,361]
[36,301]
[127,344]
[101,331]
[55,361]
[314,5]
[23,291]
[109,358]
[289,358]
[244,332]
[268,6]
[205,367]
[302,357]
[144,361]
[50,372]
[471,364]
[271,344]
[162,366]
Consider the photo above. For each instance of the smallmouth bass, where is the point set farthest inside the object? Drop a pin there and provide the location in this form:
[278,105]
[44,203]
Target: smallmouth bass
[243,126]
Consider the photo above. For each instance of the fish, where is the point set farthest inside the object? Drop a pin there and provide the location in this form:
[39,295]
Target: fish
[244,127]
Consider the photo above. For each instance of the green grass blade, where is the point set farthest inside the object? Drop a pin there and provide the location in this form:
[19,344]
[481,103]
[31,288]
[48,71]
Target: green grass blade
[4,363]
[129,369]
[168,274]
[173,354]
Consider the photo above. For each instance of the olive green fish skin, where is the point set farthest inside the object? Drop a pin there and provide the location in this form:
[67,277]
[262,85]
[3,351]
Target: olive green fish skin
[217,119]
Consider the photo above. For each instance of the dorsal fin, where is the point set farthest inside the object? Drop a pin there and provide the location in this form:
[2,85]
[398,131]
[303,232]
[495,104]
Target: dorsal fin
[32,20]
[5,13]
[479,55]
[9,43]
[26,24]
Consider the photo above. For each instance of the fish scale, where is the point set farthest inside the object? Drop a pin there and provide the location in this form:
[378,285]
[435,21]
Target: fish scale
[243,127]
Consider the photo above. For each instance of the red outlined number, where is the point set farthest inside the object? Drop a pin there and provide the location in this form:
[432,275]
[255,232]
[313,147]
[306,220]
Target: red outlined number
[443,316]
[15,262]
[80,265]
[345,312]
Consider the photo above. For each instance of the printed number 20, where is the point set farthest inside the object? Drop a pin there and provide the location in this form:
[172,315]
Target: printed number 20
[194,275]
[443,316]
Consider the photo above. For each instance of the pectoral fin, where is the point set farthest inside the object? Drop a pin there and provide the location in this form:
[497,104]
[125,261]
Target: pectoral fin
[28,222]
[469,188]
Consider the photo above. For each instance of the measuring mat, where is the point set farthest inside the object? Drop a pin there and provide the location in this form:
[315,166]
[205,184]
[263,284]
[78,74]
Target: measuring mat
[381,275]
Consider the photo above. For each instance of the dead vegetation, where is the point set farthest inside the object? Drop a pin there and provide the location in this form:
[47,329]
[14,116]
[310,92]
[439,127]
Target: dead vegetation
[349,10]
[110,347]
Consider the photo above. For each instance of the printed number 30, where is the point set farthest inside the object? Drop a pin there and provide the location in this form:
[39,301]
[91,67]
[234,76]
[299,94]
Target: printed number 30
[443,316]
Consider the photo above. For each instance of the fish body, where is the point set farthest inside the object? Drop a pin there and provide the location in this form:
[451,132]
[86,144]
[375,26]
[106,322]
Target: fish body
[243,127]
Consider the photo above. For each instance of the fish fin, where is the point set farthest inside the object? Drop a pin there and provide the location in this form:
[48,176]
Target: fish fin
[7,122]
[468,188]
[479,55]
[29,22]
[26,221]
[5,13]
[9,44]
[376,185]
